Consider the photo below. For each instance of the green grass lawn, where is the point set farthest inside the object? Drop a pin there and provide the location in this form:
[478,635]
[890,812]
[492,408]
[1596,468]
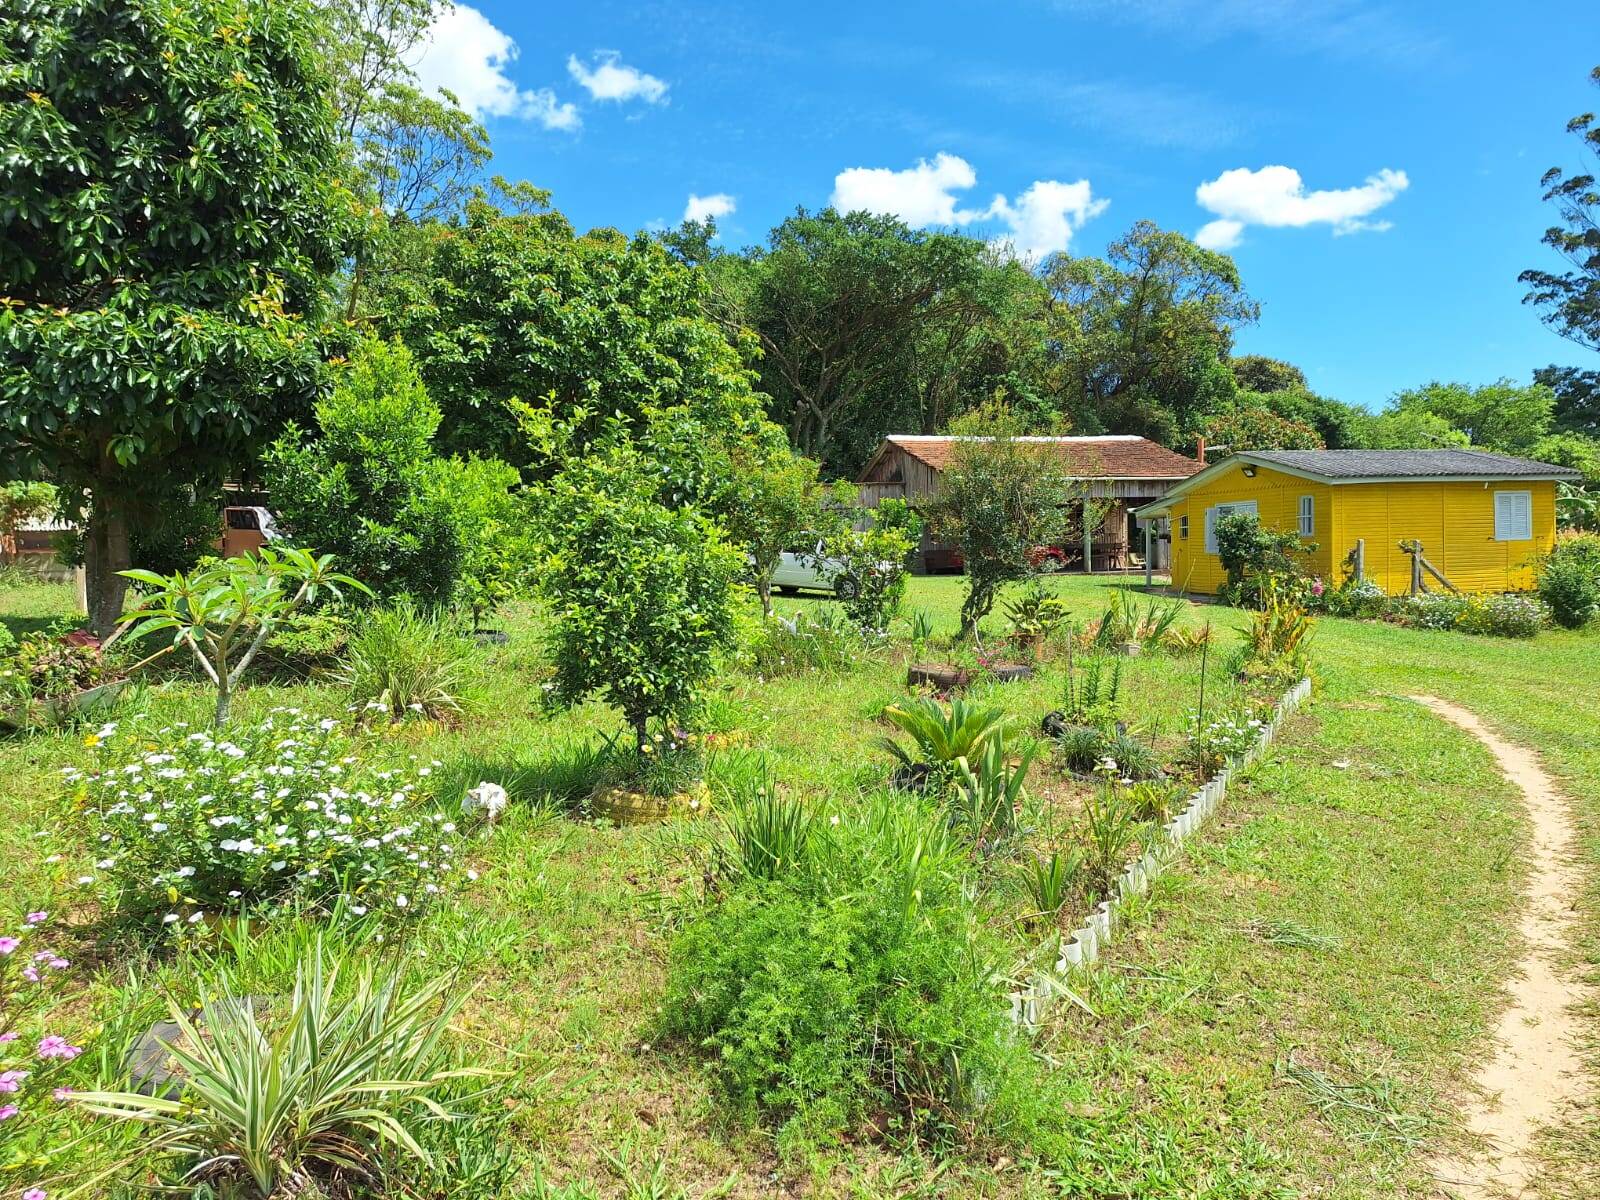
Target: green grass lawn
[1294,1011]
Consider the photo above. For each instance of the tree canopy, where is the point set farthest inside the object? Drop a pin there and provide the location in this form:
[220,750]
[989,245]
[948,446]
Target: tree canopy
[171,212]
[1138,339]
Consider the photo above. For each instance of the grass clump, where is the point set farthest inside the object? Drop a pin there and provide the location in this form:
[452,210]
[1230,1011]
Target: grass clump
[854,984]
[406,661]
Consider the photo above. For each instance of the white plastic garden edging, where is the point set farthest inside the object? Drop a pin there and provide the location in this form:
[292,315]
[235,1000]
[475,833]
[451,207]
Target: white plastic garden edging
[1082,946]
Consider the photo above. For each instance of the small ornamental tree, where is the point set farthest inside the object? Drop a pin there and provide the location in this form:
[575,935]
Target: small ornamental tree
[225,609]
[778,500]
[1000,498]
[640,592]
[171,210]
[365,489]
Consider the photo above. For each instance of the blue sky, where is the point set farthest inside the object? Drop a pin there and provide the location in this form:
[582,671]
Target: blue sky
[1372,167]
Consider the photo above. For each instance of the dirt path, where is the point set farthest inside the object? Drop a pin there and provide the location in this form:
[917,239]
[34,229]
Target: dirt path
[1534,1070]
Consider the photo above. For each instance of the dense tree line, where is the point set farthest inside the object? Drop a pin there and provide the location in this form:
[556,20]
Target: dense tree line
[203,218]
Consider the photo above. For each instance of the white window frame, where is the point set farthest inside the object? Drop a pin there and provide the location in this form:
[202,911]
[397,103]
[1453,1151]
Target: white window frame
[1308,516]
[1217,511]
[1513,516]
[1183,527]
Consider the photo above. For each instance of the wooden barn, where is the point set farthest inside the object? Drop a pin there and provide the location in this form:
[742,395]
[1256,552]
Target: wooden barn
[1123,469]
[1478,520]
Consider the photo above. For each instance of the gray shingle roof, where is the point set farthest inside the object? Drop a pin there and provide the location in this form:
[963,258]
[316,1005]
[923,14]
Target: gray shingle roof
[1405,464]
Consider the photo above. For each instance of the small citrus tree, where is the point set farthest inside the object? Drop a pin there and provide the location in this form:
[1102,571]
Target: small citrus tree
[778,500]
[640,592]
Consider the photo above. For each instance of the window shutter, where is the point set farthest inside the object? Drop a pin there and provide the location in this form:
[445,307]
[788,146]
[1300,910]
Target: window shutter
[1513,516]
[1211,531]
[1308,516]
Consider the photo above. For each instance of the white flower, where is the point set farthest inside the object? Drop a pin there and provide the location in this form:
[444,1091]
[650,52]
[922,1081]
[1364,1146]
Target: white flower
[400,901]
[185,872]
[169,919]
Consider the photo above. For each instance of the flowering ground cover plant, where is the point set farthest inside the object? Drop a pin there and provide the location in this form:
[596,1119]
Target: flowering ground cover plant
[1222,740]
[34,1058]
[190,822]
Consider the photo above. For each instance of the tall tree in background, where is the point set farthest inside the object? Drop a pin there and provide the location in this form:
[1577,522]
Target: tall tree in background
[414,157]
[1577,392]
[839,303]
[169,217]
[513,306]
[1571,301]
[1139,339]
[1504,415]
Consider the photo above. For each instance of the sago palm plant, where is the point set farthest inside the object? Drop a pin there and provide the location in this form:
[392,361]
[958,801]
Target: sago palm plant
[327,1090]
[943,735]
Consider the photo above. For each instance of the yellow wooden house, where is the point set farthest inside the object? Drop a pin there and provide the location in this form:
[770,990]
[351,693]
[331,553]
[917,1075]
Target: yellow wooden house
[1482,520]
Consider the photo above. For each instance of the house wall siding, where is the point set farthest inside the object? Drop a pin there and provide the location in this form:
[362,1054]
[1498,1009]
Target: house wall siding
[1277,497]
[1453,521]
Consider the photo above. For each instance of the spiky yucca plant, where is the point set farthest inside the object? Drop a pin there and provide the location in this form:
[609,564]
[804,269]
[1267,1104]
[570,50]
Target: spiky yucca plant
[330,1088]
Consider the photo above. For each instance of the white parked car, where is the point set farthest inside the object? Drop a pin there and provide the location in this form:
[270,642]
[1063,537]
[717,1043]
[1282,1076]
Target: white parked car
[811,570]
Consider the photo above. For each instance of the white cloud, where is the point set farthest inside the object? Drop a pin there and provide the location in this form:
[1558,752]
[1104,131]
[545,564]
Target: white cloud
[464,52]
[919,195]
[612,79]
[1040,221]
[1277,197]
[1045,217]
[709,208]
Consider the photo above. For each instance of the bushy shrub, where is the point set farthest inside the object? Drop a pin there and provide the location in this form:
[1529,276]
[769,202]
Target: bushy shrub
[1569,580]
[856,982]
[1355,598]
[1222,740]
[403,661]
[189,823]
[482,496]
[180,531]
[871,581]
[1251,552]
[366,487]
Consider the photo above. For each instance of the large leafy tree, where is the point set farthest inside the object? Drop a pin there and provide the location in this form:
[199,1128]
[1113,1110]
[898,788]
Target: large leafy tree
[1139,339]
[1570,300]
[1504,415]
[513,306]
[169,214]
[856,310]
[414,156]
[1577,392]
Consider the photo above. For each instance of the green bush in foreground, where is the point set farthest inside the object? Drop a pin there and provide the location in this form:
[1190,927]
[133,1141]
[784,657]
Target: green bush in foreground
[853,983]
[1569,581]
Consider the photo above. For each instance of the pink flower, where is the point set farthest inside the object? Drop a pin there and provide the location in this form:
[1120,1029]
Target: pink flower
[34,918]
[8,944]
[8,1037]
[10,1081]
[52,1046]
[31,973]
[8,1111]
[34,1194]
[59,964]
[61,1093]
